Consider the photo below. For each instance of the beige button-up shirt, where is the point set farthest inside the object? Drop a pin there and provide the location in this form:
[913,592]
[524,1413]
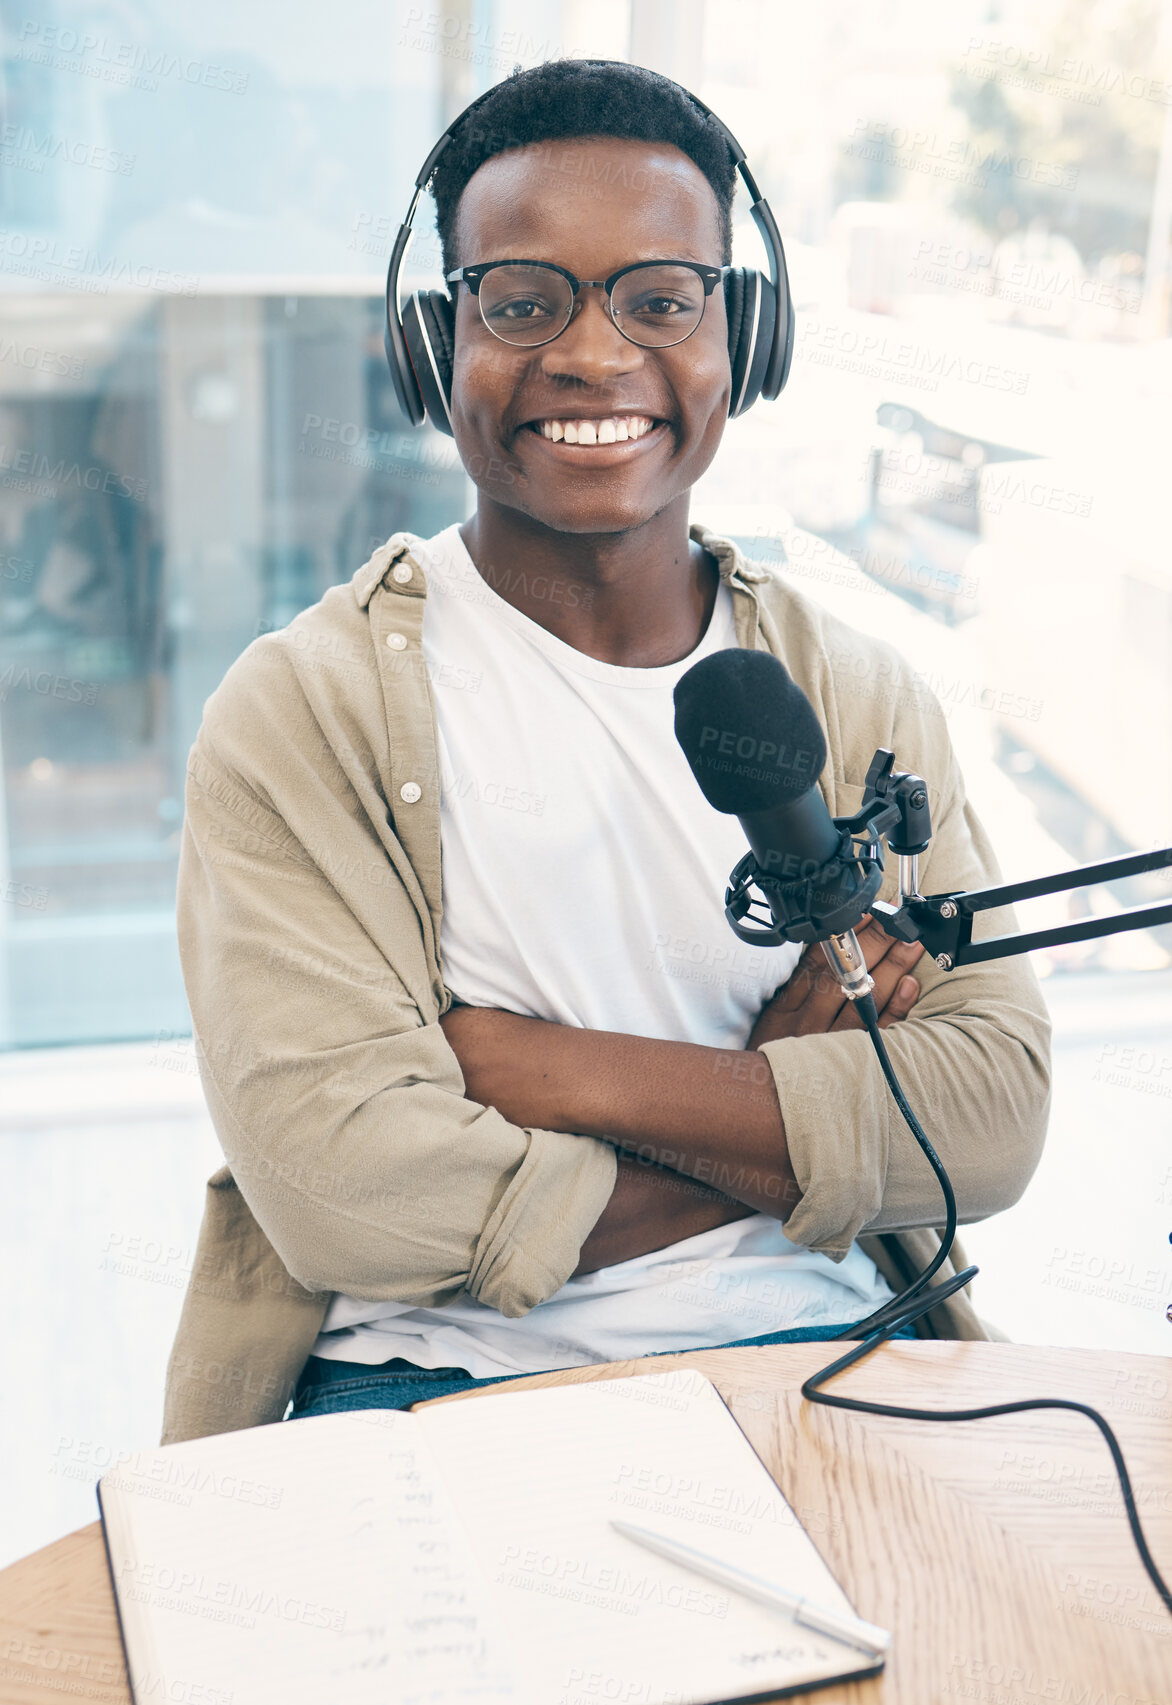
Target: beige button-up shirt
[309,911]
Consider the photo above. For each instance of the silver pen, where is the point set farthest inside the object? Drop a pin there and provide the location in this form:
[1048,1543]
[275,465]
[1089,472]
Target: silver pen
[866,1636]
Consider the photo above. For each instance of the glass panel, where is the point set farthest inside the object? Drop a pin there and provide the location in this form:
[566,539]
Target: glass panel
[197,434]
[197,471]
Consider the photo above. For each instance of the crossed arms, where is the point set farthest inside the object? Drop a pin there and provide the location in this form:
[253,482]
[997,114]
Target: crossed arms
[699,1130]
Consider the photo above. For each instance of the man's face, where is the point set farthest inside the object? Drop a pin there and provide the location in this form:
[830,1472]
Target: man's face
[592,206]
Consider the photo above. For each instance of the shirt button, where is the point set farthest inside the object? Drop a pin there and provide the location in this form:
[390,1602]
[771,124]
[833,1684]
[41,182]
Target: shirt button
[401,573]
[396,641]
[410,792]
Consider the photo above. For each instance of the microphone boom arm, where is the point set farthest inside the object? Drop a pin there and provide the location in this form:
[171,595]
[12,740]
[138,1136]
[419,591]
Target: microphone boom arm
[895,805]
[944,922]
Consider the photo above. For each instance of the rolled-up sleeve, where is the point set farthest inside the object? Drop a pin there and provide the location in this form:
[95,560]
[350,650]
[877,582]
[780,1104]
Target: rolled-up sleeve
[340,1109]
[973,1060]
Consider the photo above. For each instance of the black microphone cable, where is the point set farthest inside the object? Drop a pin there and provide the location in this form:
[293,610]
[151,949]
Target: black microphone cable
[917,1299]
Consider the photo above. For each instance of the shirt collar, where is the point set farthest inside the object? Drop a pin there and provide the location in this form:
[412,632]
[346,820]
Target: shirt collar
[730,559]
[378,566]
[731,563]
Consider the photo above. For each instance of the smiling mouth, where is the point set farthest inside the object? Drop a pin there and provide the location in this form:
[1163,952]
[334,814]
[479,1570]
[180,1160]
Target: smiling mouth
[613,429]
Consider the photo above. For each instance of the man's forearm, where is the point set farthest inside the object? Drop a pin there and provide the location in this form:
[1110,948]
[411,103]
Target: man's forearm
[709,1113]
[651,1208]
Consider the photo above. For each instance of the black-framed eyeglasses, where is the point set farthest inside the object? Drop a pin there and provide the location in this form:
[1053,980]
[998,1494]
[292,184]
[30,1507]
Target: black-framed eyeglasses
[654,303]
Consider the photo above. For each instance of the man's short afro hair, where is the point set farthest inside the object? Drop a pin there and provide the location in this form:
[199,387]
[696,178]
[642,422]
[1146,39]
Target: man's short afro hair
[566,98]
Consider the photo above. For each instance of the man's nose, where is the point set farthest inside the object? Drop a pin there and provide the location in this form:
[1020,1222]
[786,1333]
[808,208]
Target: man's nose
[591,349]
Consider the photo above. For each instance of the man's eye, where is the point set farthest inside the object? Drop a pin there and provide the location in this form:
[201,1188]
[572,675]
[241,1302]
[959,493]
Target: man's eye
[662,307]
[521,308]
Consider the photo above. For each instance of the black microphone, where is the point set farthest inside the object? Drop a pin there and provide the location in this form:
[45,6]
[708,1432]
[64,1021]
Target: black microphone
[756,748]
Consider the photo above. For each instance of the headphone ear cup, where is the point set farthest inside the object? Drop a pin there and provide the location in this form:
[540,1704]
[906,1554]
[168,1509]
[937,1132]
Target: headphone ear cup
[777,370]
[734,303]
[751,306]
[428,329]
[403,380]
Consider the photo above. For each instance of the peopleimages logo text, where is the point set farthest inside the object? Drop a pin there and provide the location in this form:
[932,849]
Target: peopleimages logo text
[35,465]
[125,58]
[729,744]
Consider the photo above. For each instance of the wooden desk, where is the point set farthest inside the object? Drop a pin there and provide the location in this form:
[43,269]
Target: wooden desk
[997,1551]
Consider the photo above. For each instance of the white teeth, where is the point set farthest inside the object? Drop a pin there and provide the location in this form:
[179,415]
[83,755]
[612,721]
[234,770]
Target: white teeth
[616,429]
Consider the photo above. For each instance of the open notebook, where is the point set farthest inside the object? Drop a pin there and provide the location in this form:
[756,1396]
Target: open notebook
[464,1553]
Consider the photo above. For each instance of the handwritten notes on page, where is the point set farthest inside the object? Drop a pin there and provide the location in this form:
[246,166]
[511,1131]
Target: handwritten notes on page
[300,1563]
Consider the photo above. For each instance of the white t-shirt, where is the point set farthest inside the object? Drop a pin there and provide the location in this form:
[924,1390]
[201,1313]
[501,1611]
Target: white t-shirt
[583,883]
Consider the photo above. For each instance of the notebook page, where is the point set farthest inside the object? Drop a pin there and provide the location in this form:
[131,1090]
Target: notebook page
[304,1563]
[537,1476]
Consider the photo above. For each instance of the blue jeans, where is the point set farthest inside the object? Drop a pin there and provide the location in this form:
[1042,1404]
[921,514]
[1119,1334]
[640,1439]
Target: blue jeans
[327,1387]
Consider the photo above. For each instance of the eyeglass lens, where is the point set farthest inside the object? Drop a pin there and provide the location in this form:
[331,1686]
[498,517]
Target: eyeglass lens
[652,305]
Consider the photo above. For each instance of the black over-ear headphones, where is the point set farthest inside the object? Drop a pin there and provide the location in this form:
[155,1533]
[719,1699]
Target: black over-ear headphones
[420,341]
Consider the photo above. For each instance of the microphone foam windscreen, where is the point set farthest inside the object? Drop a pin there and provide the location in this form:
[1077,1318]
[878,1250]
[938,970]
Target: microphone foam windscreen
[748,730]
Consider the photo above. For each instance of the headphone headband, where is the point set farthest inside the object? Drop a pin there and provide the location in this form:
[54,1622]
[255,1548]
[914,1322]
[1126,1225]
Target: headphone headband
[414,393]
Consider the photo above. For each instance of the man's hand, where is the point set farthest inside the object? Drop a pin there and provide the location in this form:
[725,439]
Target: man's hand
[812,1002]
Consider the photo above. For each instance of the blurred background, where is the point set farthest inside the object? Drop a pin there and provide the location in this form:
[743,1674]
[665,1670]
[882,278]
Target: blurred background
[198,436]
